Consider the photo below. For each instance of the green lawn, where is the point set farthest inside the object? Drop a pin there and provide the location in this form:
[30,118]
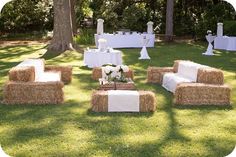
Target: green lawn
[72,129]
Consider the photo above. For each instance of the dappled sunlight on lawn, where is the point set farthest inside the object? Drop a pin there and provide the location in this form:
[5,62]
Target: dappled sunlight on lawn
[72,129]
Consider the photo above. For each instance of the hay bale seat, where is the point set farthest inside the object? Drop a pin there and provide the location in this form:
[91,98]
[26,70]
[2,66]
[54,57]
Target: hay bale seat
[33,93]
[66,72]
[155,74]
[99,101]
[97,73]
[202,94]
[207,75]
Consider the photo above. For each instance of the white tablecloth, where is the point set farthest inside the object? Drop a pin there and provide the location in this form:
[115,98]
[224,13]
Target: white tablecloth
[123,101]
[97,59]
[126,41]
[225,43]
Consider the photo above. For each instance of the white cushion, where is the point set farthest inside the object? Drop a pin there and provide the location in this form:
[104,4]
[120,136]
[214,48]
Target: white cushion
[49,76]
[170,81]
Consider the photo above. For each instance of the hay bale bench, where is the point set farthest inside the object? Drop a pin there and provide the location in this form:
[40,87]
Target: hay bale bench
[97,73]
[31,82]
[100,102]
[192,83]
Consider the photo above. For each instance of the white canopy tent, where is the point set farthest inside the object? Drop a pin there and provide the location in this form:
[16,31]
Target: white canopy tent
[2,3]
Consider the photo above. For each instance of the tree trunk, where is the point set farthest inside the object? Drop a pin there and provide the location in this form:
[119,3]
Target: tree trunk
[62,31]
[73,16]
[169,20]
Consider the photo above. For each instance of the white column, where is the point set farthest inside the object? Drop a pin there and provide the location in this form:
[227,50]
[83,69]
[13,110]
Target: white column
[150,27]
[100,26]
[219,29]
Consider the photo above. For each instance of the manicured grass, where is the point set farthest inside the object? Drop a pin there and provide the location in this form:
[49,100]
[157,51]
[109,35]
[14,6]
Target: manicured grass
[72,129]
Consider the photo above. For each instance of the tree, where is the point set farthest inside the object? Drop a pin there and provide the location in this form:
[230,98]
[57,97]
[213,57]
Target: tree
[62,30]
[169,20]
[73,16]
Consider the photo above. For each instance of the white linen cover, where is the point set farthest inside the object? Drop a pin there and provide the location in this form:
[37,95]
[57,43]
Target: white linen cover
[49,76]
[93,58]
[170,81]
[126,41]
[123,101]
[187,72]
[38,64]
[225,43]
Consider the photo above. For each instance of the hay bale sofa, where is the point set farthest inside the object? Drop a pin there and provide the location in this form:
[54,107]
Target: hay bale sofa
[31,82]
[192,83]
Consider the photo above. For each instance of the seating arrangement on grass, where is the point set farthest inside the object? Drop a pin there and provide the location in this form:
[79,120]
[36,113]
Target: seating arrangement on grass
[31,82]
[192,83]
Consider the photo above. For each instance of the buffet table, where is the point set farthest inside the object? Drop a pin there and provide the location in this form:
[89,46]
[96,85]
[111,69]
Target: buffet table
[225,43]
[94,58]
[134,40]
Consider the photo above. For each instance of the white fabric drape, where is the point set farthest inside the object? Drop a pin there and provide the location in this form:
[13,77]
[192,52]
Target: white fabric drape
[187,72]
[123,101]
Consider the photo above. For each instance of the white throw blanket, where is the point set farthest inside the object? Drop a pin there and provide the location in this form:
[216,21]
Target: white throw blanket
[187,72]
[123,101]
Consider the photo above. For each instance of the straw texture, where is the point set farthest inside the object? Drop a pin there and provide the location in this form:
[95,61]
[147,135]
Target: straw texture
[66,72]
[202,94]
[97,73]
[210,76]
[99,101]
[155,74]
[118,86]
[23,74]
[33,93]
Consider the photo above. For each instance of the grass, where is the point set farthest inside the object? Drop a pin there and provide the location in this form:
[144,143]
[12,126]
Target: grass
[73,130]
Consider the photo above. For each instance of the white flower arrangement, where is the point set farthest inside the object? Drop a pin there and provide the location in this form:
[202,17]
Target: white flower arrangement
[116,73]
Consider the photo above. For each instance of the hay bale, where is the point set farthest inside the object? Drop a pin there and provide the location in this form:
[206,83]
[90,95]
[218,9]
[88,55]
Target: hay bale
[66,72]
[99,101]
[155,74]
[202,94]
[118,86]
[176,65]
[33,93]
[97,73]
[23,74]
[210,76]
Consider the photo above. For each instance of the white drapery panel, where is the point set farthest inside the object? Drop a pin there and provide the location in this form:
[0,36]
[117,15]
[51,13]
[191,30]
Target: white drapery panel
[232,2]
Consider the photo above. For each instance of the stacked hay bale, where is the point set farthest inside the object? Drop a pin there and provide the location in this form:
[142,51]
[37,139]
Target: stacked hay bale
[209,89]
[99,101]
[24,88]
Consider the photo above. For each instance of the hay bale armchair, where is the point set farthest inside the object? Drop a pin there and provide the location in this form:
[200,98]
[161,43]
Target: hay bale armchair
[192,83]
[31,82]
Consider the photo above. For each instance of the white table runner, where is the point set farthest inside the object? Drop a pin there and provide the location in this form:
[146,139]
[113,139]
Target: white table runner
[123,101]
